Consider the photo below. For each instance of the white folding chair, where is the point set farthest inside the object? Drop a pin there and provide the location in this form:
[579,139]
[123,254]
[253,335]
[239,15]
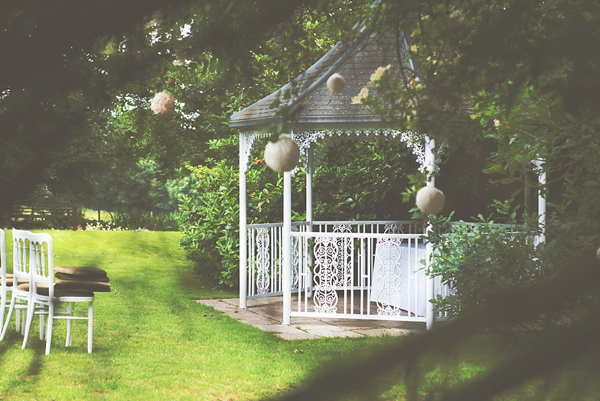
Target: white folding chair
[43,293]
[20,298]
[6,282]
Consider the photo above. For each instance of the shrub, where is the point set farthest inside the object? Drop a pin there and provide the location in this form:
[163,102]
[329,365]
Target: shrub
[480,259]
[209,223]
[144,221]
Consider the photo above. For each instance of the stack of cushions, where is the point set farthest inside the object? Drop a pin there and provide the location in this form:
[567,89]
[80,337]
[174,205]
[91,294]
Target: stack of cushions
[69,278]
[74,281]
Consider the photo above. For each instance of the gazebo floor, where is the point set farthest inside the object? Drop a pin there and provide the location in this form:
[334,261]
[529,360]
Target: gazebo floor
[266,314]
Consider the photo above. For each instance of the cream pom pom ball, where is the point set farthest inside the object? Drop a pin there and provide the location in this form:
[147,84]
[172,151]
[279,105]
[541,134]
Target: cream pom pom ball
[430,200]
[282,155]
[163,103]
[336,83]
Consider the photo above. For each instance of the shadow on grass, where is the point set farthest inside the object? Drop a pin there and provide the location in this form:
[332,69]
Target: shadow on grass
[31,372]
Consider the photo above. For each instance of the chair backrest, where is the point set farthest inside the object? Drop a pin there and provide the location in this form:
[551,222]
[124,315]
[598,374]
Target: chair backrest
[41,262]
[2,259]
[20,255]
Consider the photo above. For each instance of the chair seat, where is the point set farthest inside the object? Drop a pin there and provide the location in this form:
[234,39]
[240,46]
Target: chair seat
[94,286]
[10,280]
[42,289]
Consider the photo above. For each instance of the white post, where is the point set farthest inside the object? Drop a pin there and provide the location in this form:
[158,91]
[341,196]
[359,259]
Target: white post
[310,169]
[310,165]
[287,247]
[429,285]
[541,201]
[243,244]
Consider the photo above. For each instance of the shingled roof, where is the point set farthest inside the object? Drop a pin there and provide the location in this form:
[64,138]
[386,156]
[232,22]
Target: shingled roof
[355,60]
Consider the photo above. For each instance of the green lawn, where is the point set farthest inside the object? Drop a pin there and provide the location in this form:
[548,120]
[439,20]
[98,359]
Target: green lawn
[152,341]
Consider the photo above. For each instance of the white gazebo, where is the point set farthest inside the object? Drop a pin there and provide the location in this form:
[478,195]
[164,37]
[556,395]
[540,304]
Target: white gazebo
[337,269]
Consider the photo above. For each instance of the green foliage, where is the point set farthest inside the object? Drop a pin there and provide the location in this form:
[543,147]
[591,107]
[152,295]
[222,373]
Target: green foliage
[210,224]
[144,221]
[362,180]
[478,260]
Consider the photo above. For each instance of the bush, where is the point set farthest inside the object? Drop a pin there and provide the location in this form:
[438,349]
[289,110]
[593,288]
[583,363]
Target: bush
[480,259]
[209,219]
[209,222]
[144,221]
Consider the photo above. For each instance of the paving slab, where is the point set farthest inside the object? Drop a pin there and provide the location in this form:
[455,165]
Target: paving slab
[266,314]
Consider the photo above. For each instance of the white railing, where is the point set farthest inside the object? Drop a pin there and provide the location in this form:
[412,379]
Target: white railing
[362,276]
[265,246]
[263,266]
[375,227]
[353,269]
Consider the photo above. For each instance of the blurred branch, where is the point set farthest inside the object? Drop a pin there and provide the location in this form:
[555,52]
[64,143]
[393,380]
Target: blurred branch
[551,351]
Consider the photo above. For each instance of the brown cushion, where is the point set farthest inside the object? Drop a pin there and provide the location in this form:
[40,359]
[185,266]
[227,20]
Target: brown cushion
[82,285]
[73,277]
[9,279]
[42,289]
[81,271]
[72,293]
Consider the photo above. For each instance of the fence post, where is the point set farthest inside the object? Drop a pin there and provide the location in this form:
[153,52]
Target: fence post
[310,168]
[243,222]
[541,201]
[287,248]
[429,284]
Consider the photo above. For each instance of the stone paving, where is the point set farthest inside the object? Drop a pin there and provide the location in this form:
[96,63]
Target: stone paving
[266,314]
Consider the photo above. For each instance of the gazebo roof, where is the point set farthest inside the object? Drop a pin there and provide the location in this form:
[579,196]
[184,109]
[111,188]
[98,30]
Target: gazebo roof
[355,60]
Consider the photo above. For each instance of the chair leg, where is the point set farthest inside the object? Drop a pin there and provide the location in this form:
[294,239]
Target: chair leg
[42,325]
[69,321]
[28,318]
[90,325]
[2,308]
[49,327]
[8,316]
[18,320]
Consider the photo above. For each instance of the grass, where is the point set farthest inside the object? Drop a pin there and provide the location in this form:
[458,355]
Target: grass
[152,341]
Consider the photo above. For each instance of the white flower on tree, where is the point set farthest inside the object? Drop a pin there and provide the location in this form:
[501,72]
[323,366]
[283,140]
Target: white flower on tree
[379,72]
[364,92]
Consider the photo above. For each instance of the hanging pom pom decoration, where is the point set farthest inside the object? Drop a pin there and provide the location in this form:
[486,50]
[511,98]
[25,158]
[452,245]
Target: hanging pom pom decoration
[430,200]
[282,155]
[336,83]
[163,103]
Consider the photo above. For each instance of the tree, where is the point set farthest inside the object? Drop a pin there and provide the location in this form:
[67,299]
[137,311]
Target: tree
[528,64]
[522,71]
[69,62]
